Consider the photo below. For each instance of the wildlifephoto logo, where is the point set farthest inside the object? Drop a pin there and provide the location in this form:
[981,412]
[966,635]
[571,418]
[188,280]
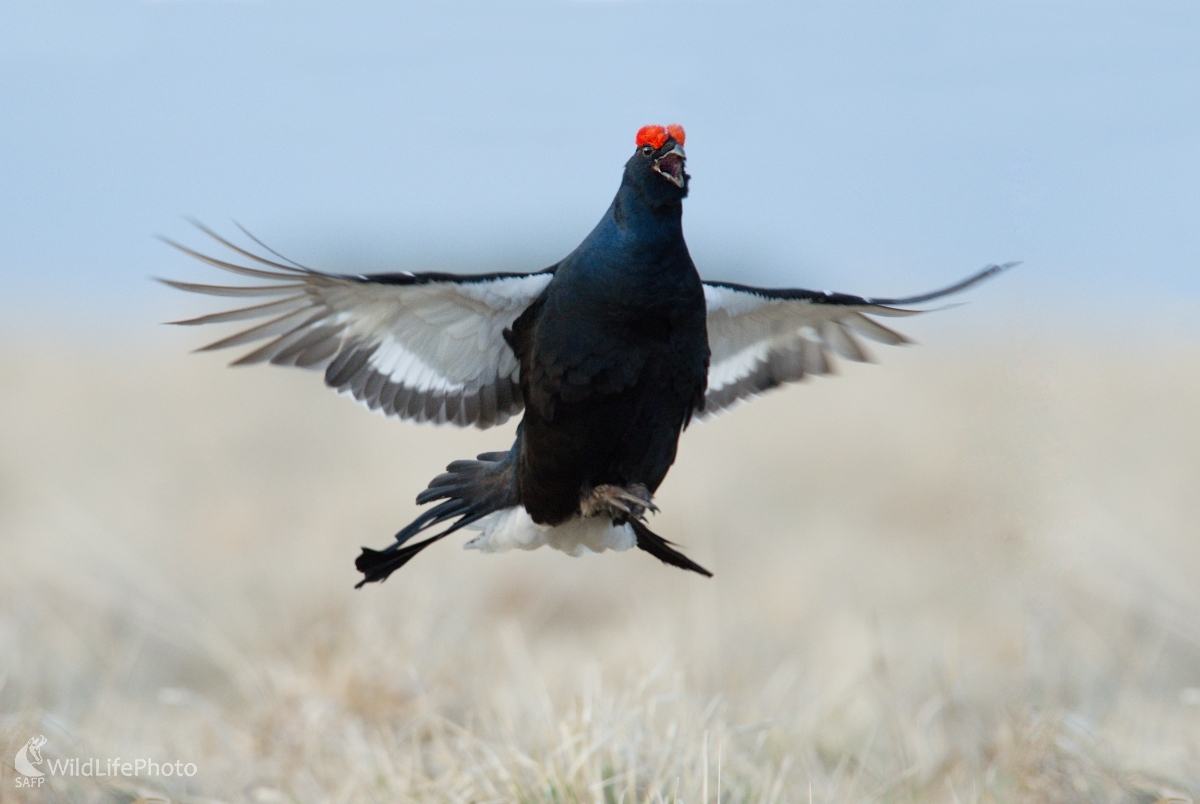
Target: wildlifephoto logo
[29,758]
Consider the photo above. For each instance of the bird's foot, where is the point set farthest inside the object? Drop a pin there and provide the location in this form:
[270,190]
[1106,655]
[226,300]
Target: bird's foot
[630,502]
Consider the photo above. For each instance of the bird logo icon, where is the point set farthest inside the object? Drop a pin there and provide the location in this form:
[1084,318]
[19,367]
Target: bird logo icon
[30,755]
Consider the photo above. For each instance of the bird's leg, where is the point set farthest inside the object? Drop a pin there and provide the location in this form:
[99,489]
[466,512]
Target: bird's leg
[617,502]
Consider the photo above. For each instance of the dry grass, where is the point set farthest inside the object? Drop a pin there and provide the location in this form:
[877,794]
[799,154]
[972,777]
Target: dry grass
[944,578]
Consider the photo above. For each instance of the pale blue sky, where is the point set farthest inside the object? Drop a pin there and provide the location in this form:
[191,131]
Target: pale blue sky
[874,147]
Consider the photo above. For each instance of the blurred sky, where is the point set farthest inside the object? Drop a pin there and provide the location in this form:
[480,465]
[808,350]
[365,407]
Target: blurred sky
[873,147]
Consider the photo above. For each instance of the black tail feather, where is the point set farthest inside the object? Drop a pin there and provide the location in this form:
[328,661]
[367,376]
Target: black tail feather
[660,548]
[471,490]
[376,565]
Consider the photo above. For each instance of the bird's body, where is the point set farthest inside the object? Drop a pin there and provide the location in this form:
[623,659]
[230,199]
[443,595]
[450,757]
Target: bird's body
[613,356]
[610,352]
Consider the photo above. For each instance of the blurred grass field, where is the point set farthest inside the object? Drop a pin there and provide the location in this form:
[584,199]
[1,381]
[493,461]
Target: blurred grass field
[967,574]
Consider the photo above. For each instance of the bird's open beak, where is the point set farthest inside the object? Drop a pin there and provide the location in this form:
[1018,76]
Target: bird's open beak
[671,165]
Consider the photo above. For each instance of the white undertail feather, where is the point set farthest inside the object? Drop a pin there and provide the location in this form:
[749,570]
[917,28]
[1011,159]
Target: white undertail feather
[513,528]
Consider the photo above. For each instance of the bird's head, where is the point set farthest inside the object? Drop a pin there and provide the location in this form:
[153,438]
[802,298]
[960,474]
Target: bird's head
[659,161]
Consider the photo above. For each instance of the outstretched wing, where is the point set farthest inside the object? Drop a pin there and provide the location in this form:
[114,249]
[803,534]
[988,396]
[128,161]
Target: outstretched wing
[761,338]
[428,346]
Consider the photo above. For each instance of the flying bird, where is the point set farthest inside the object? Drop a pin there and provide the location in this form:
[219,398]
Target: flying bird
[610,353]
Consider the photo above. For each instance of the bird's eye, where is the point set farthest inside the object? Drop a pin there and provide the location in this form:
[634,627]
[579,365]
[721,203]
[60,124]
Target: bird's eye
[647,150]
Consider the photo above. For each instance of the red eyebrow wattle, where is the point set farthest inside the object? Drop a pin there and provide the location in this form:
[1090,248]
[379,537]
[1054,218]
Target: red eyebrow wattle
[654,136]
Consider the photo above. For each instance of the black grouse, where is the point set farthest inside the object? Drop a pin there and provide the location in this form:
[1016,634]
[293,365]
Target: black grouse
[610,353]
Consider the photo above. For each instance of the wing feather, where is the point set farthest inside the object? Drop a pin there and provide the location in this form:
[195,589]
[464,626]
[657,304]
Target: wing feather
[283,325]
[428,347]
[877,332]
[224,290]
[257,311]
[233,268]
[761,338]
